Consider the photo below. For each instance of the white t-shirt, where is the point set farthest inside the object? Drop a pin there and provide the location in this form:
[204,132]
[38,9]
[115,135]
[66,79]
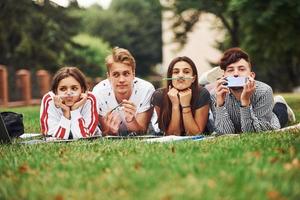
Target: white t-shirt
[141,96]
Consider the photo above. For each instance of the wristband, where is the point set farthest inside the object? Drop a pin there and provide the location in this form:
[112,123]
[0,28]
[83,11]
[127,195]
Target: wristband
[186,106]
[186,112]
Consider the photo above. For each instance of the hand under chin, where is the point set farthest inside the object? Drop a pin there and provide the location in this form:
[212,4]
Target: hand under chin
[70,104]
[180,89]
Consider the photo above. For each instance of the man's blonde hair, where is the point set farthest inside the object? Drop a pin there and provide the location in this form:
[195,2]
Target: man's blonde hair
[120,55]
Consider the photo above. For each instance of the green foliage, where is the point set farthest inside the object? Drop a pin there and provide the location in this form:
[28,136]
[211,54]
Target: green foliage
[272,40]
[267,30]
[39,34]
[187,14]
[93,50]
[131,24]
[34,35]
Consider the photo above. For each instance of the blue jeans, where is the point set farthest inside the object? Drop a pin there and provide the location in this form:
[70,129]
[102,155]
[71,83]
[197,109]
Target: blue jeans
[280,110]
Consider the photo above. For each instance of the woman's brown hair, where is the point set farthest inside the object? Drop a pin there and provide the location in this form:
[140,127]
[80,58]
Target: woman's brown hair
[66,72]
[166,108]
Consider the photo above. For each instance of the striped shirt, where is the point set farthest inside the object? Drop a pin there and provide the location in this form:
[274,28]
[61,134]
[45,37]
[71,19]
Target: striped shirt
[82,123]
[259,116]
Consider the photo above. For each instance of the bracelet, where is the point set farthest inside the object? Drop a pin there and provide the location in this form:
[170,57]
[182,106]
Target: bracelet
[187,112]
[186,106]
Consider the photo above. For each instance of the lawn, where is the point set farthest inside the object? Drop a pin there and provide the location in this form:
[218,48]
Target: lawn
[249,166]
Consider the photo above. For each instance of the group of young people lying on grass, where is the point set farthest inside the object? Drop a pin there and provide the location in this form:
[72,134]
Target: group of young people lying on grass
[123,103]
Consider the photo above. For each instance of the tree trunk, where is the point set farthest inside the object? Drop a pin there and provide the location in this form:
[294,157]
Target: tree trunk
[234,33]
[232,28]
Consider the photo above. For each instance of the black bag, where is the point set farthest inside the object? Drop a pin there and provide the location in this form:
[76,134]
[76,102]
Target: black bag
[14,123]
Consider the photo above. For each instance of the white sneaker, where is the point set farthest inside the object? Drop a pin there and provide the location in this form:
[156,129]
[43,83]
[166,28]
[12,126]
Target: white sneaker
[293,128]
[291,114]
[211,76]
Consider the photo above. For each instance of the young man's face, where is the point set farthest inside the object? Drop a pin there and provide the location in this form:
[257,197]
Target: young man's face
[239,69]
[121,78]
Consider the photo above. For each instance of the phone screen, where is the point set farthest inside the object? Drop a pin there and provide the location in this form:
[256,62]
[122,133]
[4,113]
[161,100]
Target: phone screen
[236,81]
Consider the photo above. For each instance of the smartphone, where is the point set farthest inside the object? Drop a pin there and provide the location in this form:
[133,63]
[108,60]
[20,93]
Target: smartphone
[239,81]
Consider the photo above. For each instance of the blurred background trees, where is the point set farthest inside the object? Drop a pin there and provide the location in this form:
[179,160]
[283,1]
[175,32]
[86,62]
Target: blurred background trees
[267,30]
[35,35]
[39,34]
[131,24]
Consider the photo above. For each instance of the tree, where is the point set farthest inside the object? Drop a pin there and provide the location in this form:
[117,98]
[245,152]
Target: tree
[270,32]
[34,34]
[131,24]
[187,14]
[267,30]
[40,34]
[94,51]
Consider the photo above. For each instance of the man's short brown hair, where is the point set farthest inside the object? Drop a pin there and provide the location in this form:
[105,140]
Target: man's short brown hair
[233,55]
[120,55]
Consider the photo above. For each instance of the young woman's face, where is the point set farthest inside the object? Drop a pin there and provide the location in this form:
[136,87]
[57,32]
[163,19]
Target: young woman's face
[69,89]
[182,70]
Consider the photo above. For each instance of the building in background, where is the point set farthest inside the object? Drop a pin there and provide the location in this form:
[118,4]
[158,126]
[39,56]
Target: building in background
[200,46]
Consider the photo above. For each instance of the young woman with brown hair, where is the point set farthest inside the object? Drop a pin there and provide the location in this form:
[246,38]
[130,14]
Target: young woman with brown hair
[182,107]
[69,110]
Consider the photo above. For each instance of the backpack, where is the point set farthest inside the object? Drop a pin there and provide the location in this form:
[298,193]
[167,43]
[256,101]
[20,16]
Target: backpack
[14,123]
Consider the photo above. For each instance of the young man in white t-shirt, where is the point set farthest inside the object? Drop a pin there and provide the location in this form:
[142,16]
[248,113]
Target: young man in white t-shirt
[123,99]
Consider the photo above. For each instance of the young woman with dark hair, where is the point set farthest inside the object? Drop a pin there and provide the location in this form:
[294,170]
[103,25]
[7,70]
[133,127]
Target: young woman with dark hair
[182,107]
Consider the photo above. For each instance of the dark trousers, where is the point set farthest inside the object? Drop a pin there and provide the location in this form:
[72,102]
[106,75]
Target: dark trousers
[280,110]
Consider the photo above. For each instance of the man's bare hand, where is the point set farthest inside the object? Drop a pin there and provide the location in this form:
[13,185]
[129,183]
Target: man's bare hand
[248,91]
[129,109]
[221,91]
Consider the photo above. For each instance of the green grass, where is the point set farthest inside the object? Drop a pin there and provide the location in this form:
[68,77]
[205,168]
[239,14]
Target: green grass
[249,166]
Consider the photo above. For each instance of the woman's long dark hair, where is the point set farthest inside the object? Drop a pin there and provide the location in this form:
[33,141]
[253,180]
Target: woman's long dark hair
[166,108]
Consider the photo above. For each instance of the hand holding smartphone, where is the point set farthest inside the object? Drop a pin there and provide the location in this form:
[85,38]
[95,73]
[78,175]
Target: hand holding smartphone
[232,81]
